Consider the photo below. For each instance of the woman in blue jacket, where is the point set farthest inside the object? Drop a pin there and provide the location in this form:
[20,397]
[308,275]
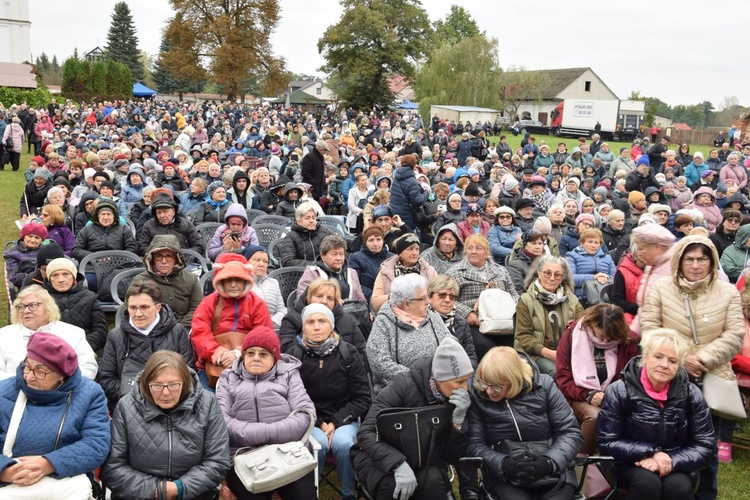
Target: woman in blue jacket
[588,261]
[406,193]
[504,234]
[367,261]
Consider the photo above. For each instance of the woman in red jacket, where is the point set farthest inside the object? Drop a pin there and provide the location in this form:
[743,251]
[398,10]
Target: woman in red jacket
[590,356]
[627,282]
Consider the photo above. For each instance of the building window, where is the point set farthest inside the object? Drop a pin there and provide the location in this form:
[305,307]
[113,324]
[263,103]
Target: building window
[587,86]
[318,91]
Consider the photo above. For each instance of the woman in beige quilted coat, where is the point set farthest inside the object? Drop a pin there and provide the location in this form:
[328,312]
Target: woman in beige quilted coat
[716,309]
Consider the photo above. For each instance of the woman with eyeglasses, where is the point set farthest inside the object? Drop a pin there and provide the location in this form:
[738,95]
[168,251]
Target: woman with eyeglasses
[63,431]
[544,310]
[53,218]
[35,310]
[442,293]
[512,402]
[168,436]
[147,326]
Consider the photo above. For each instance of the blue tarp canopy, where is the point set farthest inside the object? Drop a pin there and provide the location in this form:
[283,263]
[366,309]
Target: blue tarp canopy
[407,104]
[140,90]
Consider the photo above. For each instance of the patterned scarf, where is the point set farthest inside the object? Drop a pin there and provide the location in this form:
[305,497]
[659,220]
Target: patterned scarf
[447,318]
[549,298]
[435,391]
[540,200]
[402,270]
[323,348]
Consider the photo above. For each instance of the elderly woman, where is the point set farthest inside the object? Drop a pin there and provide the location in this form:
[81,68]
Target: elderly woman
[447,249]
[77,304]
[656,461]
[503,235]
[231,308]
[512,403]
[331,263]
[180,289]
[105,232]
[194,197]
[626,283]
[167,395]
[258,397]
[265,287]
[214,208]
[34,310]
[406,261]
[532,246]
[335,378]
[549,295]
[147,326]
[234,235]
[588,261]
[368,259]
[404,331]
[53,218]
[473,224]
[474,274]
[302,245]
[442,293]
[439,380]
[51,461]
[703,310]
[20,259]
[591,356]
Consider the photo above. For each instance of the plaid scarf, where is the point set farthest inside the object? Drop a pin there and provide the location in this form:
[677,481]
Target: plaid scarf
[401,270]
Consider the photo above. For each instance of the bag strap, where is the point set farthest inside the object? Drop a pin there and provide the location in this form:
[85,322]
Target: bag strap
[691,319]
[217,314]
[15,422]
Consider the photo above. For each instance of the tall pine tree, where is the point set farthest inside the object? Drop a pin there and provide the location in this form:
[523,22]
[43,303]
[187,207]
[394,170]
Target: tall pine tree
[122,42]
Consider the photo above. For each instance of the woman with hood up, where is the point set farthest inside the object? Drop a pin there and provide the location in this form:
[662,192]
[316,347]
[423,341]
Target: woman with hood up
[704,200]
[131,190]
[235,235]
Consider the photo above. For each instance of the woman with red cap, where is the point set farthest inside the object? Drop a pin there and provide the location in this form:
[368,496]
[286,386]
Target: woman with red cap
[231,308]
[51,444]
[20,259]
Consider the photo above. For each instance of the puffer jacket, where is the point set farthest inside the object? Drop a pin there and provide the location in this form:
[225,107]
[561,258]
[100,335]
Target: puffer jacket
[291,326]
[537,414]
[79,306]
[126,345]
[533,328]
[450,216]
[96,238]
[625,287]
[394,345]
[518,269]
[735,258]
[189,443]
[180,289]
[406,194]
[189,202]
[287,207]
[502,239]
[382,288]
[569,241]
[367,265]
[247,235]
[373,458]
[715,306]
[84,438]
[209,212]
[188,237]
[711,213]
[632,426]
[722,240]
[584,266]
[34,198]
[19,261]
[301,246]
[438,260]
[129,194]
[611,237]
[257,408]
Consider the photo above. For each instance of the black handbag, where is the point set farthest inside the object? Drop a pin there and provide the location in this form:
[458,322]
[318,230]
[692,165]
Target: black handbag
[9,141]
[545,486]
[414,431]
[359,312]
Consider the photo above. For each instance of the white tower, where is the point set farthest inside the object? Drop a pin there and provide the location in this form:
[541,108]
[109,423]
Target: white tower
[15,31]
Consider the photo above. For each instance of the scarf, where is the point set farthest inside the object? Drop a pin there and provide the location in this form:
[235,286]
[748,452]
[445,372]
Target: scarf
[658,396]
[401,269]
[407,317]
[540,201]
[582,362]
[447,318]
[217,205]
[435,391]
[549,298]
[320,349]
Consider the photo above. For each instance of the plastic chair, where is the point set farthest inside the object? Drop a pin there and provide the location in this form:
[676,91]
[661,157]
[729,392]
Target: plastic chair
[267,233]
[206,283]
[277,220]
[207,231]
[252,214]
[274,253]
[131,225]
[338,224]
[123,279]
[197,260]
[104,264]
[288,277]
[10,289]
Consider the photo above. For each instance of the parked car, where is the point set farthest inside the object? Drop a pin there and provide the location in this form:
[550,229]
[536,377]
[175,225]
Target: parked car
[531,126]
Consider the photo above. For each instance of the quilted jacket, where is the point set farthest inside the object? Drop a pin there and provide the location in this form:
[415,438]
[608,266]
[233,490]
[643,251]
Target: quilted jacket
[79,306]
[382,288]
[188,443]
[95,238]
[301,247]
[715,305]
[406,194]
[471,283]
[181,227]
[584,266]
[19,261]
[533,327]
[502,239]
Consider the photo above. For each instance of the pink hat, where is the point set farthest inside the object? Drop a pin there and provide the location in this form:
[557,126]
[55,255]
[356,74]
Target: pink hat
[33,228]
[53,352]
[262,336]
[653,234]
[584,217]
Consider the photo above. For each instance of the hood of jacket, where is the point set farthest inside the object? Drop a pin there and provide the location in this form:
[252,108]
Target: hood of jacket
[743,233]
[164,242]
[705,190]
[735,198]
[291,186]
[136,169]
[236,210]
[87,196]
[403,173]
[679,249]
[101,205]
[240,174]
[453,229]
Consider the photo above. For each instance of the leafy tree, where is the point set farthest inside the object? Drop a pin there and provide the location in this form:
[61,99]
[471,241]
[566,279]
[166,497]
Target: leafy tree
[164,79]
[122,42]
[452,78]
[232,39]
[518,85]
[458,25]
[374,40]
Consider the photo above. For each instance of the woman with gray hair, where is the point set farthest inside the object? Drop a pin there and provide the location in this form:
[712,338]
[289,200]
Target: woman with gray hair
[543,311]
[442,294]
[404,330]
[14,131]
[302,245]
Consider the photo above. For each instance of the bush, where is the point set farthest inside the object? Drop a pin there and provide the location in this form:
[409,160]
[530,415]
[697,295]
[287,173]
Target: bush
[36,98]
[101,80]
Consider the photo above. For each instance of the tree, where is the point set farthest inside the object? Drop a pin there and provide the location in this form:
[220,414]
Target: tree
[122,42]
[84,81]
[164,79]
[373,41]
[458,25]
[517,85]
[449,77]
[232,39]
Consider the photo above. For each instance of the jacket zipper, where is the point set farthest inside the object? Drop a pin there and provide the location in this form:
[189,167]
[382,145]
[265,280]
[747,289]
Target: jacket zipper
[419,444]
[515,423]
[255,399]
[169,438]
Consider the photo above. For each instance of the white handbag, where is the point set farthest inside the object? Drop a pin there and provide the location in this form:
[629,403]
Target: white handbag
[723,396]
[495,309]
[272,466]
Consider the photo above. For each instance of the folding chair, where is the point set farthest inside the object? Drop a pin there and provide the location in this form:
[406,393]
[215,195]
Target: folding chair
[288,277]
[268,233]
[104,264]
[207,231]
[277,220]
[253,214]
[206,283]
[274,254]
[121,282]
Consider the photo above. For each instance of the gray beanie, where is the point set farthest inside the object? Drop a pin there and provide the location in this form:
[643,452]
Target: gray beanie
[450,360]
[213,187]
[318,308]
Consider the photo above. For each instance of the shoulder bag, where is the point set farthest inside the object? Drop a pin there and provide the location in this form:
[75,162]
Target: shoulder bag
[272,466]
[414,431]
[722,396]
[228,340]
[495,309]
[592,291]
[9,141]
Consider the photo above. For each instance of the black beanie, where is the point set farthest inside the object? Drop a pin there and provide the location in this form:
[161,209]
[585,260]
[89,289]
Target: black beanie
[48,252]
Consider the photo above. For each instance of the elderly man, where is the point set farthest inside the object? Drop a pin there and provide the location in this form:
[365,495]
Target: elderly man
[166,220]
[313,169]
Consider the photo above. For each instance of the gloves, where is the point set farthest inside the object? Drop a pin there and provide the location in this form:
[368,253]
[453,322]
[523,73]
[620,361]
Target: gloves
[461,400]
[511,467]
[406,482]
[533,469]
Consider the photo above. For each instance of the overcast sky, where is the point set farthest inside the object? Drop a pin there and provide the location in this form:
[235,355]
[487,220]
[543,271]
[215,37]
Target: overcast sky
[674,51]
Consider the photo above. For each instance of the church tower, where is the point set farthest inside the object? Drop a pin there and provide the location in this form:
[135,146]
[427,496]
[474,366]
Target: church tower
[15,31]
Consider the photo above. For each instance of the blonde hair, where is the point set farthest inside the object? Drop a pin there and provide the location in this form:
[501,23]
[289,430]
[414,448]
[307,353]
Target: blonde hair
[480,240]
[664,338]
[48,303]
[504,366]
[442,282]
[56,215]
[319,283]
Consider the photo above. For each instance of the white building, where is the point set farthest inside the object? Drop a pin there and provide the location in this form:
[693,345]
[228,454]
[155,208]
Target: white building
[15,31]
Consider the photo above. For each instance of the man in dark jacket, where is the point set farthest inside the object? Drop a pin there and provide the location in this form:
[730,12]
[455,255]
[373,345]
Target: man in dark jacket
[464,148]
[313,169]
[166,220]
[35,193]
[406,192]
[641,178]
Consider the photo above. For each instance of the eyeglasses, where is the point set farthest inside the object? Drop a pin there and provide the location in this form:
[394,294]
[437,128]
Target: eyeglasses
[419,299]
[260,354]
[702,261]
[484,386]
[164,256]
[38,372]
[504,216]
[31,306]
[550,274]
[139,309]
[172,386]
[445,295]
[733,220]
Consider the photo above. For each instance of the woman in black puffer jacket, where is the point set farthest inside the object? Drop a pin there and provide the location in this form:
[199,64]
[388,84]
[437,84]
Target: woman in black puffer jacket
[302,245]
[655,422]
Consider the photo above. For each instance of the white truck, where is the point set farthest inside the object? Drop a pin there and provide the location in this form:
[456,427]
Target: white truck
[579,117]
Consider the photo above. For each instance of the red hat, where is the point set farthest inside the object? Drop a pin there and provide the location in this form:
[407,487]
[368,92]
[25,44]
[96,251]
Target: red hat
[232,265]
[119,157]
[168,164]
[53,352]
[39,160]
[262,336]
[34,228]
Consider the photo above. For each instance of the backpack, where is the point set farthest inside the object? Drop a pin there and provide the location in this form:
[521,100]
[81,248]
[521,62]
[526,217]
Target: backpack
[495,309]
